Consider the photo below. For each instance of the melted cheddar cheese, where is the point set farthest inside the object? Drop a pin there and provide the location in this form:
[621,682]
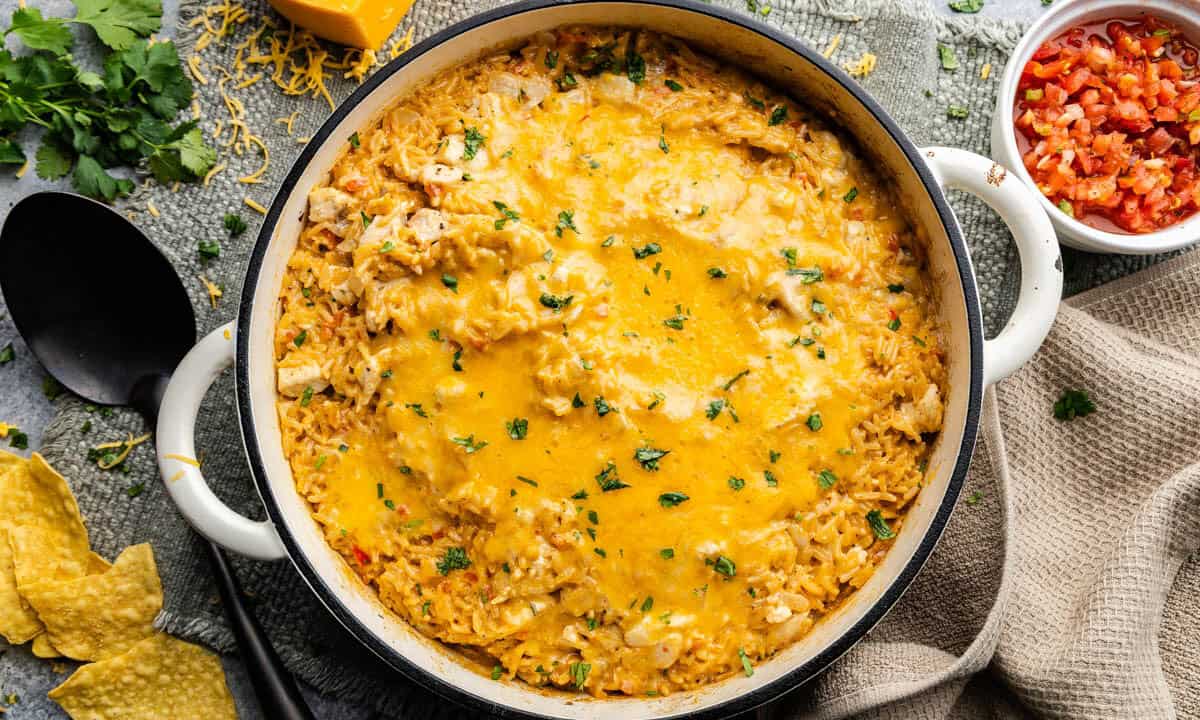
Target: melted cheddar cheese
[606,364]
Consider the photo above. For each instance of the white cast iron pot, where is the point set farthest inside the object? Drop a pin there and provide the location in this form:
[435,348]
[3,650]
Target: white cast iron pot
[920,177]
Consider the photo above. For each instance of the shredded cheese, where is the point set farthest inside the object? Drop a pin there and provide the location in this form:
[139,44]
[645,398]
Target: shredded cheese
[176,476]
[150,208]
[213,173]
[214,292]
[256,176]
[23,170]
[864,66]
[833,46]
[184,459]
[193,65]
[401,46]
[4,428]
[985,71]
[126,446]
[250,203]
[287,121]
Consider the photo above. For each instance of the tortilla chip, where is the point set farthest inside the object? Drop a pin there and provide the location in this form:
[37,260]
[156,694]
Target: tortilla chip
[18,621]
[42,647]
[159,677]
[46,532]
[97,616]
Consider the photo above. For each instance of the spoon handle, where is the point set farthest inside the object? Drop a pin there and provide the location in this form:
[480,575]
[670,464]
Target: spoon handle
[278,696]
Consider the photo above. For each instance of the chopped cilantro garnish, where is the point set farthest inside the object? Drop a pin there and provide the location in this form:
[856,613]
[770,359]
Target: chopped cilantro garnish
[647,250]
[895,288]
[528,481]
[975,497]
[778,115]
[608,241]
[662,142]
[306,396]
[517,428]
[648,603]
[635,66]
[736,483]
[387,247]
[497,671]
[593,517]
[556,302]
[789,254]
[365,218]
[234,224]
[717,273]
[814,422]
[208,249]
[551,59]
[603,407]
[301,336]
[566,81]
[581,495]
[947,57]
[879,526]
[7,354]
[135,489]
[723,565]
[727,386]
[774,455]
[454,362]
[666,553]
[566,221]
[51,388]
[769,476]
[506,214]
[600,552]
[18,439]
[755,102]
[1073,404]
[416,408]
[958,112]
[450,281]
[826,479]
[818,307]
[608,479]
[454,559]
[675,322]
[577,402]
[469,443]
[714,408]
[850,195]
[674,86]
[894,324]
[473,140]
[670,500]
[354,141]
[746,666]
[807,276]
[580,670]
[648,457]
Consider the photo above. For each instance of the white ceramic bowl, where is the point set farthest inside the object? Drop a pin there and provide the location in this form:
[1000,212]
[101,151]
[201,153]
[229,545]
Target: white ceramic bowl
[1184,14]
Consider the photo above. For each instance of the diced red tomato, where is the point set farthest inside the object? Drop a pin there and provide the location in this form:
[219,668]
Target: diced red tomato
[361,557]
[1108,119]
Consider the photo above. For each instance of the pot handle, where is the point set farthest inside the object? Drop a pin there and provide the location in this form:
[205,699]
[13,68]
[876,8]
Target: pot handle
[1041,264]
[176,443]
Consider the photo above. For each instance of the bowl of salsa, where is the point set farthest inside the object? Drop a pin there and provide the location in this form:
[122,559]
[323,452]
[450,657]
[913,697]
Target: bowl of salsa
[1099,110]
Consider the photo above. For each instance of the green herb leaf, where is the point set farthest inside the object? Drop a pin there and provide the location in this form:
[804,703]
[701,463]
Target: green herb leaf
[746,666]
[729,385]
[814,422]
[1066,207]
[566,221]
[966,6]
[551,59]
[602,406]
[724,565]
[778,115]
[635,66]
[958,112]
[39,33]
[648,457]
[455,558]
[608,479]
[497,671]
[556,302]
[7,354]
[674,86]
[675,322]
[714,408]
[451,282]
[234,224]
[850,195]
[517,428]
[580,670]
[667,553]
[473,140]
[1073,404]
[807,276]
[826,479]
[118,23]
[717,273]
[736,483]
[647,250]
[670,500]
[879,526]
[469,444]
[209,249]
[947,57]
[354,141]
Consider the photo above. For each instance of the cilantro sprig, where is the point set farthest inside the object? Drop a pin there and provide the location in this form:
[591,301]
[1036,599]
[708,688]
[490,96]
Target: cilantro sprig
[92,121]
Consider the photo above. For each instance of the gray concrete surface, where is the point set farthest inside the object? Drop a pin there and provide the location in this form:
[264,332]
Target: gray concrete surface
[23,404]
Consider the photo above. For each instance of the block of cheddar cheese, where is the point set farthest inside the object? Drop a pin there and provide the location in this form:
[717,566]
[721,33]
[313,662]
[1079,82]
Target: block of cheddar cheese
[358,23]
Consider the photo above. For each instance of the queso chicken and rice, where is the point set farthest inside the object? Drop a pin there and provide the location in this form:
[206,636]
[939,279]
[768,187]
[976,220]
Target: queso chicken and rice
[607,365]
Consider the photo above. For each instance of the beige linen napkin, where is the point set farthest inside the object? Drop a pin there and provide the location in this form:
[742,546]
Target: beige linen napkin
[1057,590]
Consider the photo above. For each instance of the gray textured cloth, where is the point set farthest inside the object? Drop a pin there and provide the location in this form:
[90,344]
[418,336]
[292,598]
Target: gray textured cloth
[941,632]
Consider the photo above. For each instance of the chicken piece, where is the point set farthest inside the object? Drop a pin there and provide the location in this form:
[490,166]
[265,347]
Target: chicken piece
[331,207]
[438,174]
[293,381]
[428,224]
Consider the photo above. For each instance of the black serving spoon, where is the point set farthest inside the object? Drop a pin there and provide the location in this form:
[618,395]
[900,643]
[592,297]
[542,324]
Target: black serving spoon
[105,313]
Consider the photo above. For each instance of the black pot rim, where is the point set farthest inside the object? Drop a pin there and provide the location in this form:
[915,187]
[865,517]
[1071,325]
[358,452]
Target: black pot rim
[756,696]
